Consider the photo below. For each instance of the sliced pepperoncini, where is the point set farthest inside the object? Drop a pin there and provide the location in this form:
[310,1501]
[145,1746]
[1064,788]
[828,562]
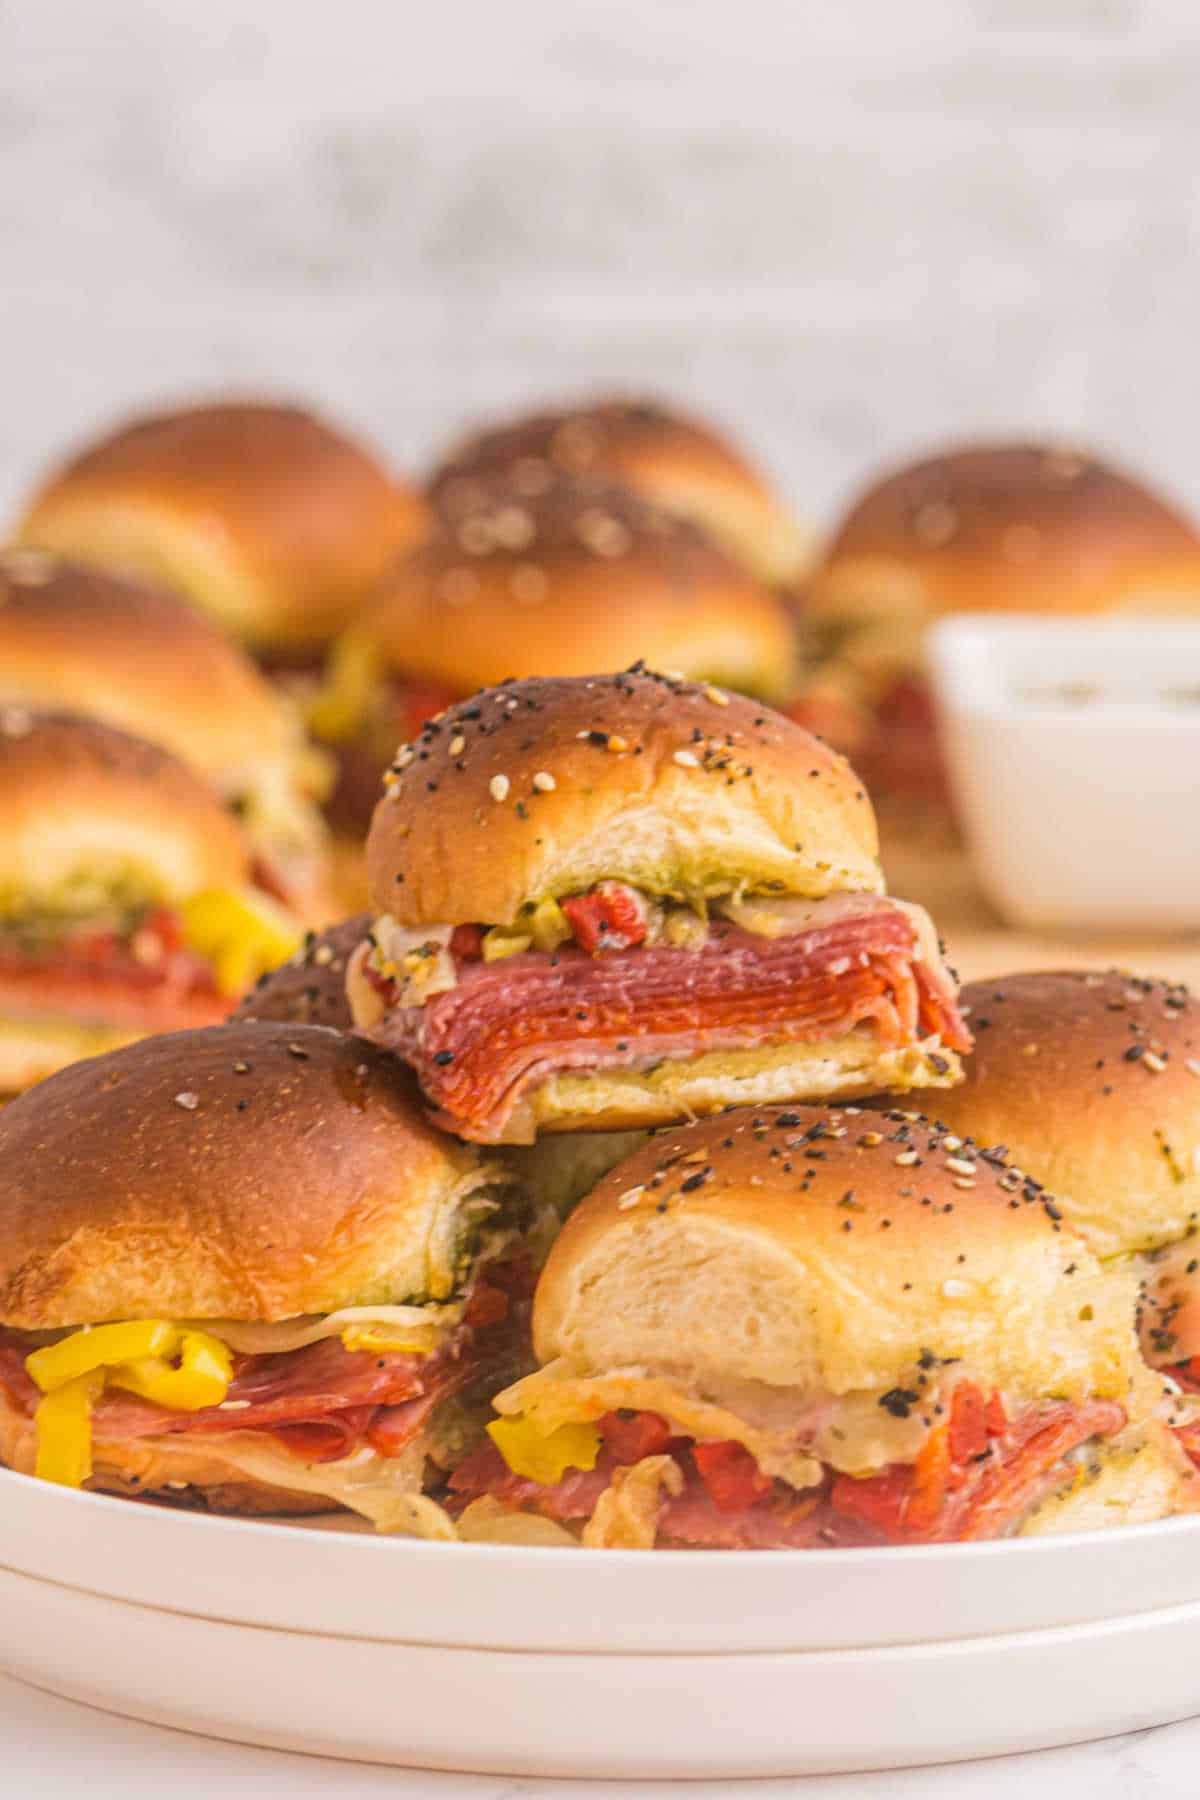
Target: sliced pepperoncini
[549,925]
[64,1430]
[201,1378]
[242,934]
[499,942]
[544,1457]
[344,700]
[99,1346]
[413,1340]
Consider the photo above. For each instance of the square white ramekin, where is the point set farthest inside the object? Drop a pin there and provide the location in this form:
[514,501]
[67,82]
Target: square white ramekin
[1074,753]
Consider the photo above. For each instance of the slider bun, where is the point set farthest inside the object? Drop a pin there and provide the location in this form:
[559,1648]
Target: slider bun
[310,988]
[263,516]
[1009,527]
[583,575]
[1117,1141]
[682,465]
[99,644]
[560,1170]
[89,815]
[829,1275]
[771,808]
[250,1172]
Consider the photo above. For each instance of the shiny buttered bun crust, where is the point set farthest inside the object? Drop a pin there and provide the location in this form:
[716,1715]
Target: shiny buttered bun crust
[92,642]
[827,1252]
[310,988]
[89,815]
[544,787]
[248,1172]
[685,466]
[1092,1081]
[262,515]
[1004,528]
[581,575]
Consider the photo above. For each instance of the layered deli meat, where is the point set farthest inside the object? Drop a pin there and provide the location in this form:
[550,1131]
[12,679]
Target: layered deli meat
[334,1405]
[149,969]
[611,979]
[958,1463]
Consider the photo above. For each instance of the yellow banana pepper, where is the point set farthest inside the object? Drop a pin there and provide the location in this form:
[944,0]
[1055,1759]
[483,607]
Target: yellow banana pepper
[544,1457]
[499,943]
[242,934]
[201,1377]
[352,678]
[64,1430]
[98,1346]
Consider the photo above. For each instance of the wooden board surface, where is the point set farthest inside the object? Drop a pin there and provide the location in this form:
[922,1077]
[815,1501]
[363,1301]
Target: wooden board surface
[980,944]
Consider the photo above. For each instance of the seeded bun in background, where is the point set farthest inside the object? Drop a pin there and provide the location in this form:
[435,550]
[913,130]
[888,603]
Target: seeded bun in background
[89,814]
[543,787]
[250,1172]
[1003,528]
[310,988]
[96,643]
[1092,1081]
[684,466]
[264,516]
[580,575]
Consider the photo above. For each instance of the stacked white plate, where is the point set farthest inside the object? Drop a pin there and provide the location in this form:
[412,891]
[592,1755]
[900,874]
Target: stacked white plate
[609,1663]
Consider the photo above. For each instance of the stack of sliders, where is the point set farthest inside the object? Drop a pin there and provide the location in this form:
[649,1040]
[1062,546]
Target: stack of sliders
[993,528]
[804,1328]
[90,642]
[683,465]
[127,903]
[239,1271]
[558,577]
[1092,1082]
[616,901]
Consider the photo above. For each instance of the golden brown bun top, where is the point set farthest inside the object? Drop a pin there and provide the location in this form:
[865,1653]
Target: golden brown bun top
[1092,1080]
[829,1250]
[244,1172]
[84,807]
[310,988]
[581,575]
[682,464]
[1019,527]
[544,787]
[261,513]
[112,648]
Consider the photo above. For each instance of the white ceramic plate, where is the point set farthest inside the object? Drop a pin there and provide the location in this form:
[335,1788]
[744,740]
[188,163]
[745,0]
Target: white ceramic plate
[613,1663]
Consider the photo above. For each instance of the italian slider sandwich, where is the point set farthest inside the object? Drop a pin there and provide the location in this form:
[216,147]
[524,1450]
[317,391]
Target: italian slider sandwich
[610,902]
[683,466]
[580,575]
[238,1271]
[1091,1080]
[127,899]
[805,1328]
[89,641]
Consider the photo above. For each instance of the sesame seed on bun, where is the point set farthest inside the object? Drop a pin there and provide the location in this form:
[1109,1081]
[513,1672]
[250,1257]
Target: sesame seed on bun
[543,787]
[826,1251]
[683,465]
[581,575]
[264,516]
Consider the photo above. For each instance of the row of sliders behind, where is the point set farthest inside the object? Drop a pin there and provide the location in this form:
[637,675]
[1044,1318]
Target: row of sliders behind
[310,1259]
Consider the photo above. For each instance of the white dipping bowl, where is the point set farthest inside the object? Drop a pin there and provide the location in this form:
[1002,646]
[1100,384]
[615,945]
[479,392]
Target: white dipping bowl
[1073,748]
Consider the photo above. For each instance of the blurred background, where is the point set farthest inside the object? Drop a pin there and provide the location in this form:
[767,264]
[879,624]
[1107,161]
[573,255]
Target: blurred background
[844,231]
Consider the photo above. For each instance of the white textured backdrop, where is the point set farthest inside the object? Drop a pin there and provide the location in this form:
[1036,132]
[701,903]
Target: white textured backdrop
[846,226]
